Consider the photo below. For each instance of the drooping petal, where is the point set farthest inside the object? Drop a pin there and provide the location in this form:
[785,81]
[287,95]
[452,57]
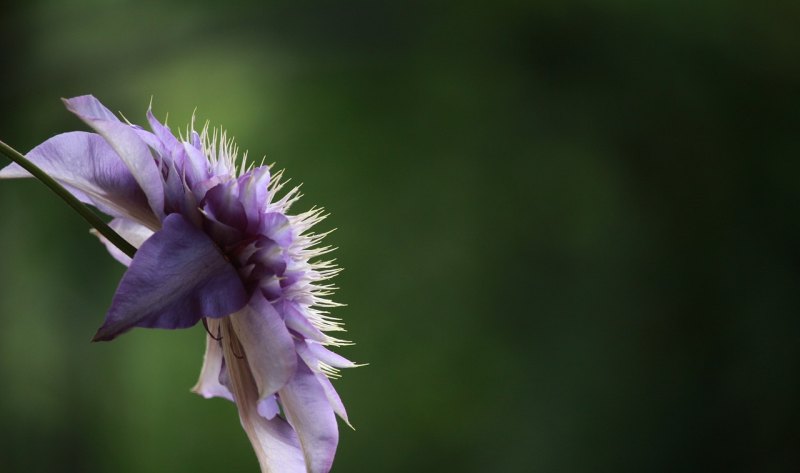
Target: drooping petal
[267,343]
[311,360]
[333,397]
[86,165]
[308,410]
[208,384]
[127,144]
[275,442]
[134,233]
[177,277]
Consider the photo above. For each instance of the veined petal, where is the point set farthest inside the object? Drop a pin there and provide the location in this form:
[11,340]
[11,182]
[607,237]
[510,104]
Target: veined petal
[177,277]
[127,144]
[133,232]
[267,343]
[309,411]
[208,384]
[89,168]
[275,442]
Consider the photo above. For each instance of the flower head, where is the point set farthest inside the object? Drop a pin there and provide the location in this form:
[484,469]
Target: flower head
[215,242]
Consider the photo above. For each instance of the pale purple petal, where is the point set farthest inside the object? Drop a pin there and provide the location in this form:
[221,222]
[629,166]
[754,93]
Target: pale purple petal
[333,397]
[268,407]
[267,344]
[177,277]
[275,442]
[127,144]
[208,384]
[310,360]
[328,357]
[133,232]
[86,165]
[253,194]
[309,411]
[277,228]
[298,322]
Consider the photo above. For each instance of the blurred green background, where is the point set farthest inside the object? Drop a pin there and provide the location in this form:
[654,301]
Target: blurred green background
[570,230]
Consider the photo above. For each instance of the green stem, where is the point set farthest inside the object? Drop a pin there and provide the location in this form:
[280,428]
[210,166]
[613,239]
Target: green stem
[84,211]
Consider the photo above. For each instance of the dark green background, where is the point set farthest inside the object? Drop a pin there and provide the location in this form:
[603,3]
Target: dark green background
[570,230]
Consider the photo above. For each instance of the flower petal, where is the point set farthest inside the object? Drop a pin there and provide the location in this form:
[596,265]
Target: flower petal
[312,361]
[267,344]
[277,228]
[275,443]
[128,145]
[177,277]
[89,168]
[208,384]
[308,410]
[133,232]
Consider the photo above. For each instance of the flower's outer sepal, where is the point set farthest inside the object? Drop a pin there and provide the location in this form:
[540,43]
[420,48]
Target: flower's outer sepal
[275,443]
[310,413]
[177,277]
[91,171]
[127,144]
[268,344]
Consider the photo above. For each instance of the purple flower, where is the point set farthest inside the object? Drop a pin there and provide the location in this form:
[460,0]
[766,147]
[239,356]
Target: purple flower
[216,243]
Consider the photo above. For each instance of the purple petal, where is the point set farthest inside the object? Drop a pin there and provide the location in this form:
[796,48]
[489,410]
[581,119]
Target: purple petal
[269,256]
[253,191]
[87,166]
[267,344]
[310,359]
[222,202]
[127,144]
[298,322]
[277,228]
[208,384]
[268,407]
[177,277]
[333,397]
[132,232]
[328,357]
[275,442]
[308,410]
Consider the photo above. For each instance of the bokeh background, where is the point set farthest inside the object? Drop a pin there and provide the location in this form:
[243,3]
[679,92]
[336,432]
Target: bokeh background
[570,229]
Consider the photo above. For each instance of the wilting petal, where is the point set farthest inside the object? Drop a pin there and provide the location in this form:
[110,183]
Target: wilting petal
[308,410]
[208,384]
[128,145]
[275,443]
[177,277]
[134,233]
[267,343]
[87,166]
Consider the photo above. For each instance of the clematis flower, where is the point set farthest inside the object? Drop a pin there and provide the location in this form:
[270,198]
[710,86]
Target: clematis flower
[215,243]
